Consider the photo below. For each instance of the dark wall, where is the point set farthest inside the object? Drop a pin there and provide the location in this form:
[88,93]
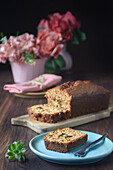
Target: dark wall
[95,54]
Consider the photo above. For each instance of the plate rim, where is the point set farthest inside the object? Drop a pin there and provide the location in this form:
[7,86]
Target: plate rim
[40,154]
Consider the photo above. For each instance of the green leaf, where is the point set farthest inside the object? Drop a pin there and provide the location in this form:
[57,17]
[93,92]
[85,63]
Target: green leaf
[29,58]
[11,158]
[82,35]
[6,155]
[17,34]
[13,146]
[75,41]
[23,156]
[19,142]
[1,34]
[3,40]
[19,147]
[78,36]
[9,154]
[60,61]
[15,143]
[18,156]
[15,151]
[9,147]
[51,67]
[24,149]
[40,28]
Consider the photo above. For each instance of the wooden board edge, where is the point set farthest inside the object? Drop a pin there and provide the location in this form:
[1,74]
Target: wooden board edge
[15,121]
[53,126]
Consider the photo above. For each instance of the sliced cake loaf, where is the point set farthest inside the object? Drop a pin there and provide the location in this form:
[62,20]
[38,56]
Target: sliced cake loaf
[82,97]
[70,100]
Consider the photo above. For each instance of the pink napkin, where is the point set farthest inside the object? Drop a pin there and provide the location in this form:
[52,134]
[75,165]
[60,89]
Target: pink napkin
[38,84]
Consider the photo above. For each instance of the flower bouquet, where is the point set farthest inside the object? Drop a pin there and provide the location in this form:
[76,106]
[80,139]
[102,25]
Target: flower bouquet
[47,46]
[69,27]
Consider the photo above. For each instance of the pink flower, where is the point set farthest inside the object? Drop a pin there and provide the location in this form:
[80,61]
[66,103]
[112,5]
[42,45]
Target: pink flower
[62,24]
[71,20]
[44,23]
[4,50]
[49,43]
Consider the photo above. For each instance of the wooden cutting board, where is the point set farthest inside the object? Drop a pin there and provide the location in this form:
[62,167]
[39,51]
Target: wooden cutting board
[41,127]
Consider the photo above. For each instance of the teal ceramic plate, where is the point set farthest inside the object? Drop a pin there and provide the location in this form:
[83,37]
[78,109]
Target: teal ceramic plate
[95,154]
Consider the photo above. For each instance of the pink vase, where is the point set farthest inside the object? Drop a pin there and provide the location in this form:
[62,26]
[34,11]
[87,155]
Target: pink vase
[25,72]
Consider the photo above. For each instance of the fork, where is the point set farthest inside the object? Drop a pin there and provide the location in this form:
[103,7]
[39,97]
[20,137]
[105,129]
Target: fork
[84,150]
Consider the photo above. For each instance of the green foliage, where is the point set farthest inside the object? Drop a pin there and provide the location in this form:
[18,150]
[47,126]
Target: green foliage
[53,65]
[16,151]
[2,40]
[29,58]
[1,34]
[40,28]
[78,36]
[17,34]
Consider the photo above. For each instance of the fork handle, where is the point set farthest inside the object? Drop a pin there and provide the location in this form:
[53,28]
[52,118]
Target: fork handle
[93,143]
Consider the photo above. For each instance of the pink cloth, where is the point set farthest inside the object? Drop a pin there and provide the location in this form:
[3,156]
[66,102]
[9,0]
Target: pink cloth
[38,84]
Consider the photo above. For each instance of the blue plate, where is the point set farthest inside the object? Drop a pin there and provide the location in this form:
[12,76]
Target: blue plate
[95,154]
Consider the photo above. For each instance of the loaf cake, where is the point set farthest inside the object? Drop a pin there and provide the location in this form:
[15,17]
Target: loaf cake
[63,140]
[70,100]
[82,97]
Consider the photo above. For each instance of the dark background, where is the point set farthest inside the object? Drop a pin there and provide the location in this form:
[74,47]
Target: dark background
[93,55]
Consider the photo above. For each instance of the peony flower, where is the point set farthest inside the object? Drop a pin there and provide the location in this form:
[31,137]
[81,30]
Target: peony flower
[62,24]
[71,20]
[44,23]
[49,43]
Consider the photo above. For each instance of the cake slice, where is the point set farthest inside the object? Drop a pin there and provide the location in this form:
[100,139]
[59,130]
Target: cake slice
[63,140]
[49,113]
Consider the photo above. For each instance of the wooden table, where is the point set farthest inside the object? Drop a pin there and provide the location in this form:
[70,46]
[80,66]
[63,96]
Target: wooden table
[11,106]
